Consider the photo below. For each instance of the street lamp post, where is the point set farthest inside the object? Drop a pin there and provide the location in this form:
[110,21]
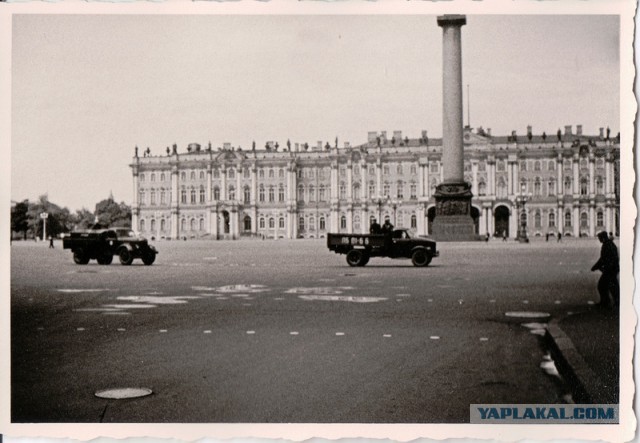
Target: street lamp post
[44,216]
[522,225]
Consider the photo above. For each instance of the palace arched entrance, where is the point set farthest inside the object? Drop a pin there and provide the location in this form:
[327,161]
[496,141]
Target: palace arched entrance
[501,214]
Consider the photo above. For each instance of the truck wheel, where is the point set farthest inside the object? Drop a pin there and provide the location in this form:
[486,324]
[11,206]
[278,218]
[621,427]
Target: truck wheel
[365,260]
[355,257]
[126,257]
[105,258]
[149,258]
[420,257]
[80,258]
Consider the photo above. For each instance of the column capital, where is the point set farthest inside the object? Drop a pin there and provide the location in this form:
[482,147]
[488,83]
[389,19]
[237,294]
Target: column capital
[452,20]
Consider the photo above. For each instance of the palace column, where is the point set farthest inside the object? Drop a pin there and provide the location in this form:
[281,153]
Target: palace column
[135,208]
[175,199]
[453,197]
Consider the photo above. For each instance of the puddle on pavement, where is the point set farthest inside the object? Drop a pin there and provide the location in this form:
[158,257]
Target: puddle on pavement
[536,328]
[123,393]
[527,314]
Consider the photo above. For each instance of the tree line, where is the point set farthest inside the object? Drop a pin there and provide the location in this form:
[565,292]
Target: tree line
[27,223]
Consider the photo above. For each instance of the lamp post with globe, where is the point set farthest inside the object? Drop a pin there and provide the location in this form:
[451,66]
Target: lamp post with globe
[521,202]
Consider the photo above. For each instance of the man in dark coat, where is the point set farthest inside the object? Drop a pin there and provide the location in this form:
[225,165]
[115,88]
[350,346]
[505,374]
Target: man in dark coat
[375,228]
[387,227]
[609,265]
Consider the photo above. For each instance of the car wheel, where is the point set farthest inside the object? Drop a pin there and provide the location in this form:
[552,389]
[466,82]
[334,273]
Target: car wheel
[149,258]
[80,257]
[105,258]
[355,257]
[126,257]
[420,257]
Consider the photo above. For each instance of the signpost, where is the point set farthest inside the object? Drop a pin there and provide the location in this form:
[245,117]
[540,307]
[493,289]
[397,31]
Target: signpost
[44,216]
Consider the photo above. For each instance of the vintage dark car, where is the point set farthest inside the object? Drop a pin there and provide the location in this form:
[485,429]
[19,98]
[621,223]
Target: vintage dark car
[400,243]
[102,244]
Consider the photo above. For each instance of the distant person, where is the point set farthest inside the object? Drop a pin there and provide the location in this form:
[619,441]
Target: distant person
[486,238]
[51,242]
[546,237]
[387,227]
[375,227]
[559,237]
[609,265]
[504,235]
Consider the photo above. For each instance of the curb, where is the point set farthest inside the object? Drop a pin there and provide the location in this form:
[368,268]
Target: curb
[583,382]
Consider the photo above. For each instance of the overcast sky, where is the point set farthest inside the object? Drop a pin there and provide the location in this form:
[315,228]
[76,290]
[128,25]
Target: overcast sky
[87,89]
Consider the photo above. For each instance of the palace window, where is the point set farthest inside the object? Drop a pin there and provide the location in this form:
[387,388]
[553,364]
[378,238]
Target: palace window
[414,221]
[193,224]
[552,165]
[281,222]
[482,166]
[400,189]
[202,224]
[162,197]
[300,174]
[153,177]
[183,196]
[482,188]
[413,191]
[322,224]
[141,197]
[201,175]
[141,177]
[152,194]
[247,194]
[343,222]
[537,187]
[142,226]
[232,173]
[433,167]
[247,174]
[500,166]
[523,165]
[356,170]
[312,223]
[281,173]
[567,185]
[567,218]
[301,224]
[537,219]
[312,193]
[163,225]
[343,191]
[261,194]
[301,192]
[202,195]
[599,185]
[502,188]
[193,175]
[272,223]
[372,189]
[356,223]
[552,220]
[356,191]
[536,166]
[372,170]
[385,189]
[183,176]
[584,187]
[162,177]
[551,187]
[272,173]
[183,224]
[193,195]
[414,170]
[261,223]
[247,223]
[321,191]
[399,169]
[272,194]
[584,220]
[261,173]
[216,193]
[599,219]
[385,169]
[216,173]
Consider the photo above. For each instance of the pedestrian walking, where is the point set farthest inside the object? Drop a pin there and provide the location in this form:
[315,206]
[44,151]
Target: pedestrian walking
[609,265]
[546,237]
[487,237]
[504,235]
[559,237]
[51,242]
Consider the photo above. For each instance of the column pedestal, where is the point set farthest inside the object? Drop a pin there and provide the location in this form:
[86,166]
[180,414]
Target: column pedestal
[453,220]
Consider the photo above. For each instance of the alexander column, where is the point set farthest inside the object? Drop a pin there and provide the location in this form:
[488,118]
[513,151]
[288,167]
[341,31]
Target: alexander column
[453,196]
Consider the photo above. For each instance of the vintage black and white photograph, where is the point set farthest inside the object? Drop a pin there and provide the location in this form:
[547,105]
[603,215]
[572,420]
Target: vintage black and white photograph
[339,218]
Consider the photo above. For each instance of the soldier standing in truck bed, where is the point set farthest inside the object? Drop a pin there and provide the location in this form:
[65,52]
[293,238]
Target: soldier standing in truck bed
[387,227]
[375,227]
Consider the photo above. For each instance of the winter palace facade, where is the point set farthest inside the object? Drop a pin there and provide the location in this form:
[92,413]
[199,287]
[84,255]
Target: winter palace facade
[569,183]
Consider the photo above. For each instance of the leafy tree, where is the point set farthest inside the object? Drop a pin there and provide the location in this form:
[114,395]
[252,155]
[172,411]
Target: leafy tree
[58,221]
[112,214]
[19,218]
[83,219]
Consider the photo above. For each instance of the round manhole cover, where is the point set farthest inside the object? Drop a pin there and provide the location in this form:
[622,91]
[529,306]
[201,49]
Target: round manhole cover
[527,314]
[122,393]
